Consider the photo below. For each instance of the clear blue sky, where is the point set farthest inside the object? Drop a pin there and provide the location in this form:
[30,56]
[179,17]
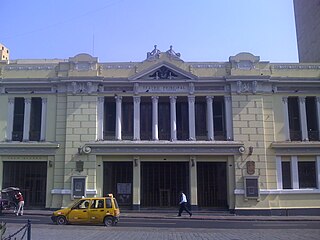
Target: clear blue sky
[125,30]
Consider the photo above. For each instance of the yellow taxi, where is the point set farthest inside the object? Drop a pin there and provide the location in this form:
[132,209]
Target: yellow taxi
[89,210]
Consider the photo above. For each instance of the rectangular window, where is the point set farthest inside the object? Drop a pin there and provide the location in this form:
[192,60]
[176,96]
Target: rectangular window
[164,119]
[307,174]
[182,118]
[312,119]
[18,119]
[127,118]
[146,118]
[286,175]
[294,119]
[201,118]
[109,118]
[35,119]
[219,114]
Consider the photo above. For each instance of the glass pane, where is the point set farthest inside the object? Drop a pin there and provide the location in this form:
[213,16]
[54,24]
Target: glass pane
[307,174]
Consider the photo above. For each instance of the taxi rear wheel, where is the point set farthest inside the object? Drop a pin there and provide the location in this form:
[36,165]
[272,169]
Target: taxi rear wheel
[108,221]
[61,220]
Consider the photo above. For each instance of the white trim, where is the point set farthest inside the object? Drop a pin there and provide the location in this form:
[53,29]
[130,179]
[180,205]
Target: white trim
[318,171]
[68,191]
[281,191]
[61,191]
[279,172]
[294,172]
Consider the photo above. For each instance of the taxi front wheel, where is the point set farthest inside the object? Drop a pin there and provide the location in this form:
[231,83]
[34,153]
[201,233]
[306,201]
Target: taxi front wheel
[108,221]
[61,220]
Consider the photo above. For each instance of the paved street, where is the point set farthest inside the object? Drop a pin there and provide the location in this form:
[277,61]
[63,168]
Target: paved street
[52,232]
[169,228]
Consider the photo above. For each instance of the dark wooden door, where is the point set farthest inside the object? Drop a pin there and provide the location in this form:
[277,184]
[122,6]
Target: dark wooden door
[30,177]
[117,179]
[161,183]
[212,184]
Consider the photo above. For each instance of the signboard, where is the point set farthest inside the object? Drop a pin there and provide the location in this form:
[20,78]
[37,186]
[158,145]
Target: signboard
[78,187]
[251,187]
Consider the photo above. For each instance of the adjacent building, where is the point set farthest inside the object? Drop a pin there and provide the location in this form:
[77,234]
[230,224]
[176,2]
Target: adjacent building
[241,135]
[307,16]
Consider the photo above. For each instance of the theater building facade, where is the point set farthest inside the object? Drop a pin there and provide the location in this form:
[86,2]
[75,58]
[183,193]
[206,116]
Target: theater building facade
[240,135]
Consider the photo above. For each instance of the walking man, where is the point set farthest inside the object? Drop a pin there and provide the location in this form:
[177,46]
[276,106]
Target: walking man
[183,204]
[20,199]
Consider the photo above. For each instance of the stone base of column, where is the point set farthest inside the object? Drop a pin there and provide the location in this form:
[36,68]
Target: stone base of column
[136,207]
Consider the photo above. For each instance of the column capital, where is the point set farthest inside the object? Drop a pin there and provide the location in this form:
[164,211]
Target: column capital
[137,99]
[173,99]
[285,100]
[27,100]
[302,100]
[118,98]
[227,98]
[209,98]
[11,100]
[100,99]
[44,100]
[191,98]
[318,99]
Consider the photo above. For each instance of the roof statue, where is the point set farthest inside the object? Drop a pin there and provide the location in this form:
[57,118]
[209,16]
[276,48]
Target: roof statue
[155,54]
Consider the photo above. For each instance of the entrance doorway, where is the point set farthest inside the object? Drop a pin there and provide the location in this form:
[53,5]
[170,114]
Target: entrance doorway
[30,177]
[117,179]
[212,184]
[161,183]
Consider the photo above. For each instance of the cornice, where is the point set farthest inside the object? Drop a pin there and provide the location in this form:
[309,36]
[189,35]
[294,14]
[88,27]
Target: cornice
[28,148]
[170,148]
[295,147]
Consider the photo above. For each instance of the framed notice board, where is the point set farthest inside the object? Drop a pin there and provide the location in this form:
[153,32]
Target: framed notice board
[251,187]
[78,187]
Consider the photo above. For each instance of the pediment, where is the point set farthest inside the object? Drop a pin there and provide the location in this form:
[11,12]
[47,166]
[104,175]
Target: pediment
[163,71]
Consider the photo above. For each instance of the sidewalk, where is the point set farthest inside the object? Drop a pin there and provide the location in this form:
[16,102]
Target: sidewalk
[199,215]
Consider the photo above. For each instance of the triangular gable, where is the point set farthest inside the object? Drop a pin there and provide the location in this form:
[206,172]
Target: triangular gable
[165,71]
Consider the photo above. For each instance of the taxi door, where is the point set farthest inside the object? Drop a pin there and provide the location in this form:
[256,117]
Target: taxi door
[80,212]
[97,210]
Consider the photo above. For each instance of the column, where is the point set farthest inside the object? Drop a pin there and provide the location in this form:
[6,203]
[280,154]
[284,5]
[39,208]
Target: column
[136,183]
[286,118]
[303,118]
[193,182]
[118,117]
[10,118]
[318,114]
[229,128]
[100,112]
[26,122]
[279,172]
[173,117]
[192,118]
[318,171]
[294,172]
[43,119]
[210,127]
[155,135]
[136,117]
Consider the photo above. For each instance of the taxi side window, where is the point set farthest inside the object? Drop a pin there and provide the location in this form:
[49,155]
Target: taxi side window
[83,204]
[109,204]
[97,203]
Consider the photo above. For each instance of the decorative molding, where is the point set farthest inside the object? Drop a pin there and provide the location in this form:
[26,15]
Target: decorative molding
[281,191]
[210,65]
[247,87]
[297,66]
[30,67]
[117,66]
